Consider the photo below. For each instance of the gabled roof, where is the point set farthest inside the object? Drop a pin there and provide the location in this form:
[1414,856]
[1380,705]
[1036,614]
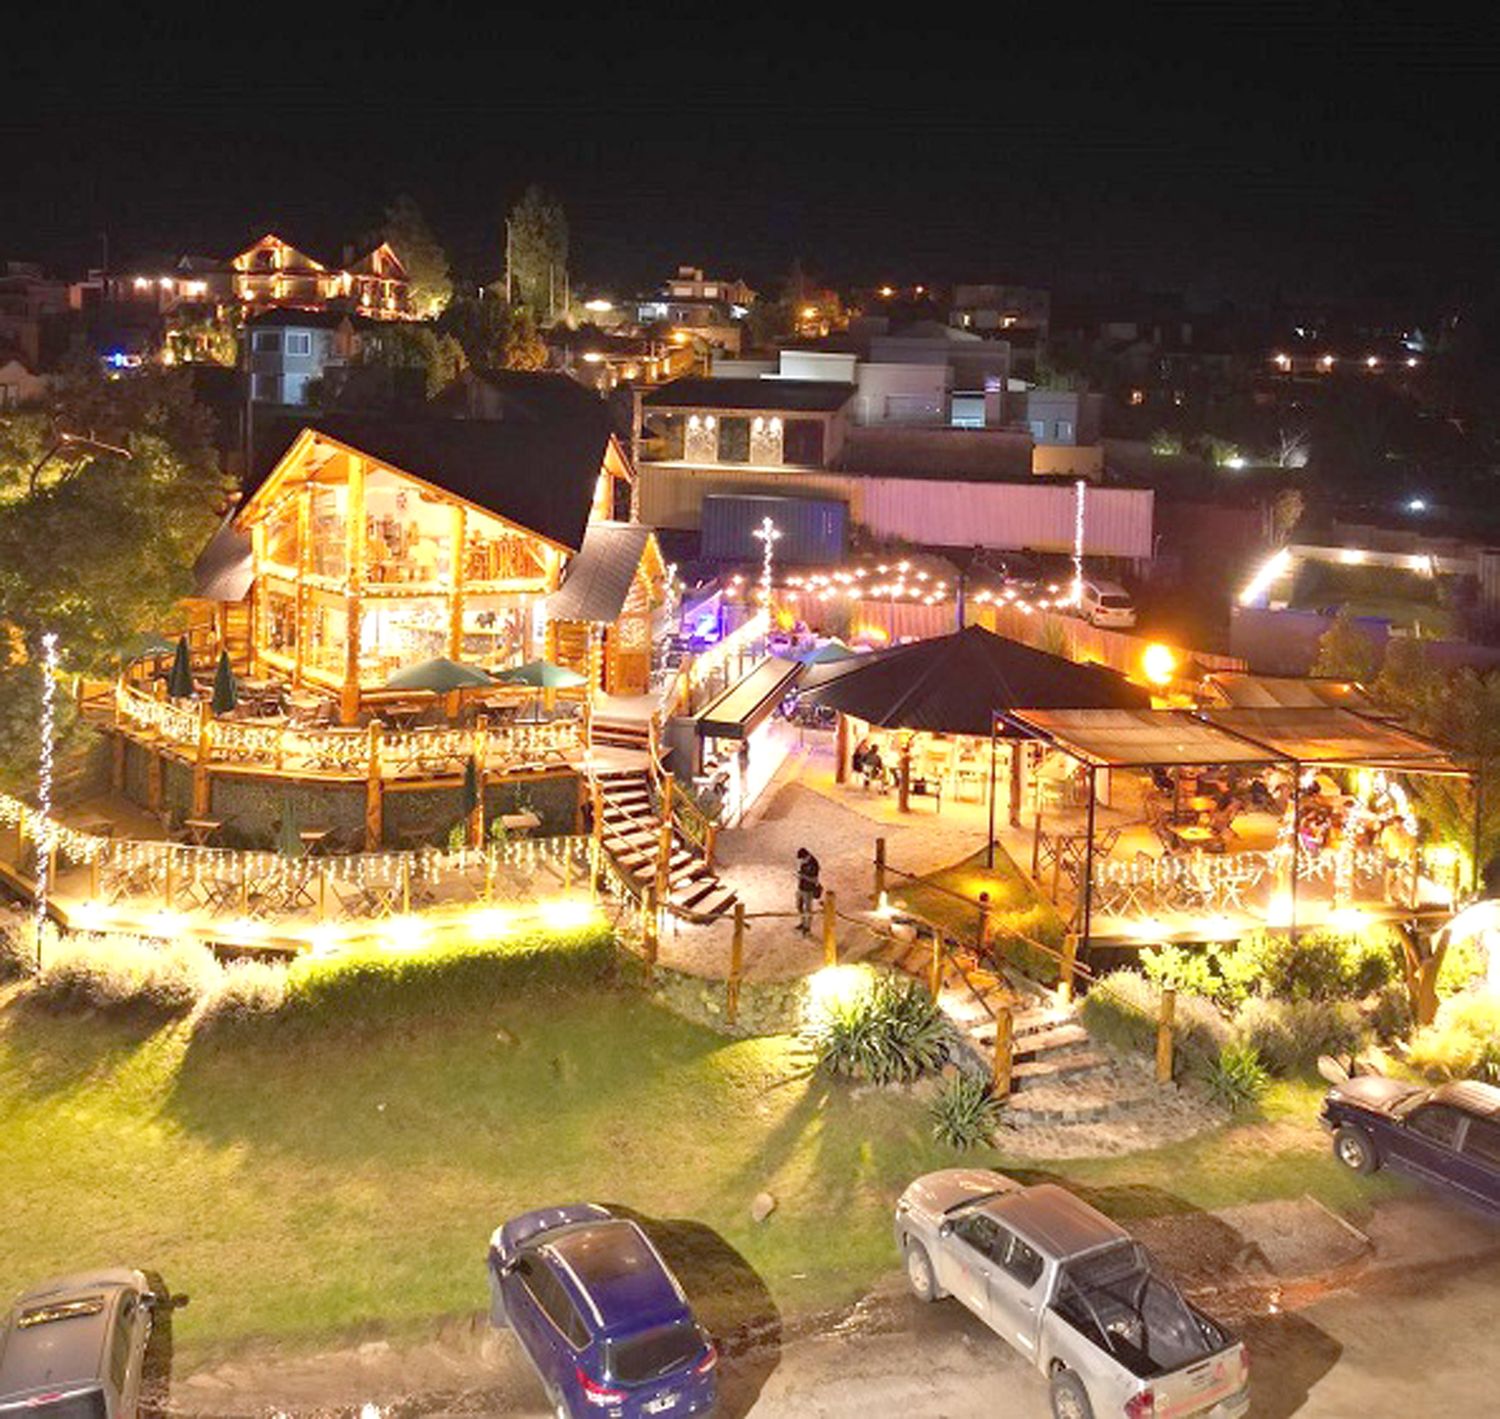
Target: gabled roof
[598,579]
[271,239]
[365,266]
[225,568]
[785,396]
[538,475]
[292,318]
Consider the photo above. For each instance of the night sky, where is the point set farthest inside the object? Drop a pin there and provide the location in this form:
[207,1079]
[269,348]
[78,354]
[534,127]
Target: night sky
[1224,152]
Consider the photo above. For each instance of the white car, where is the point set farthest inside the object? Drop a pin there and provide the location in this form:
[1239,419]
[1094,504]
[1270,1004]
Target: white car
[1106,603]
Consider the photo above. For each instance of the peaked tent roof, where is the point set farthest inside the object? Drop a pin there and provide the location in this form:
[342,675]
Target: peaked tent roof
[598,579]
[953,684]
[538,475]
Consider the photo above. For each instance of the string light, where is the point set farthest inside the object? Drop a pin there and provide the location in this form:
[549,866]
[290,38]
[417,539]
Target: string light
[44,839]
[1080,497]
[766,534]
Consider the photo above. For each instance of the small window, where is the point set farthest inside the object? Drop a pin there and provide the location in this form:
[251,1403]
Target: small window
[298,342]
[1038,429]
[1023,1262]
[1483,1141]
[1437,1123]
[268,342]
[1065,431]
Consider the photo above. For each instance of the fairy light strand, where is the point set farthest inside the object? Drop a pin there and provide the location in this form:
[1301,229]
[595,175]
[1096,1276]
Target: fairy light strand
[44,838]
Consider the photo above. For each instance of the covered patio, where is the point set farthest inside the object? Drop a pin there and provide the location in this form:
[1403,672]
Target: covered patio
[1200,826]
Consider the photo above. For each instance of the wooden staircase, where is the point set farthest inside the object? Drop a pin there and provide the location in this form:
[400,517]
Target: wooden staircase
[621,733]
[632,834]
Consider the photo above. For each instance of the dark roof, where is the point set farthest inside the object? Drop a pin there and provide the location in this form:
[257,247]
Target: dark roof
[952,684]
[1323,735]
[746,705]
[618,1272]
[1142,738]
[224,570]
[291,317]
[540,475]
[598,579]
[793,396]
[526,394]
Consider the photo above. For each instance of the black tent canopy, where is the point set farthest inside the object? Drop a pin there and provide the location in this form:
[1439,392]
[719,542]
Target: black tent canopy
[955,684]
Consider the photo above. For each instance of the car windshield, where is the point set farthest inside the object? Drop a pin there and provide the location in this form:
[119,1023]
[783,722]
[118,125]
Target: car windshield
[1118,1298]
[80,1404]
[653,1353]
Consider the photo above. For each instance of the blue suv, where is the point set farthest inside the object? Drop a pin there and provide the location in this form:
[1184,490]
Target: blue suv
[600,1316]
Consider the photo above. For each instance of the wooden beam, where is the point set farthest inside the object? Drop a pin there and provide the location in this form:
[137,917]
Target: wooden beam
[373,790]
[458,534]
[354,569]
[257,597]
[304,538]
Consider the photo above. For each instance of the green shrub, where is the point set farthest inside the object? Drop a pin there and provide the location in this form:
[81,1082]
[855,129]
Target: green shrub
[1012,932]
[1182,969]
[1463,1042]
[882,1028]
[1316,965]
[1236,1077]
[244,990]
[17,946]
[1122,1010]
[117,972]
[965,1113]
[369,983]
[1465,965]
[1390,1013]
[1288,1036]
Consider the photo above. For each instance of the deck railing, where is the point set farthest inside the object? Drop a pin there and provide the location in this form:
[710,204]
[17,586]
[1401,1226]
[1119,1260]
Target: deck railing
[351,753]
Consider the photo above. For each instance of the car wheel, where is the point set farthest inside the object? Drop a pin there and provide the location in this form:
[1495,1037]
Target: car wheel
[1070,1400]
[919,1275]
[1352,1147]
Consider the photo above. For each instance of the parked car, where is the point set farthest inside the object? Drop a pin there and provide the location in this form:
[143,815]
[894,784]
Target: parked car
[1448,1135]
[1074,1293]
[600,1316]
[75,1347]
[1106,603]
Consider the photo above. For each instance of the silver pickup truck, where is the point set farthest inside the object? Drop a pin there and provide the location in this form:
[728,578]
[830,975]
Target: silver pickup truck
[1074,1293]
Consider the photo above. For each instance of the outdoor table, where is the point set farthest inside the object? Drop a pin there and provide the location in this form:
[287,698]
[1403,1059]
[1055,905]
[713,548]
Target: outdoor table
[519,822]
[313,839]
[200,830]
[1194,834]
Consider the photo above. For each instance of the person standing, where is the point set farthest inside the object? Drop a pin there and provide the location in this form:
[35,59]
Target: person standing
[809,889]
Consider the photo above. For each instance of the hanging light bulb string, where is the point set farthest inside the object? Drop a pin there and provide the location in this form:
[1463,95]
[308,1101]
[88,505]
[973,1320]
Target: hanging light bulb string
[44,837]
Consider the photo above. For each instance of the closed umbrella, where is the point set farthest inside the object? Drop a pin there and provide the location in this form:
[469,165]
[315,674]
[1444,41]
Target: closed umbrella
[441,676]
[289,840]
[471,787]
[226,691]
[180,680]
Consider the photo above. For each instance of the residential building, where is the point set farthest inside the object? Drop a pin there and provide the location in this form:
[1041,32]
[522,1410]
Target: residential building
[18,385]
[285,350]
[699,310]
[29,301]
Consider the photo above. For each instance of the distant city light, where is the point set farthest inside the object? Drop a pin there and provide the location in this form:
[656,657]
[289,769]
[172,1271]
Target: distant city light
[598,305]
[1282,361]
[887,291]
[1372,361]
[1235,461]
[1416,505]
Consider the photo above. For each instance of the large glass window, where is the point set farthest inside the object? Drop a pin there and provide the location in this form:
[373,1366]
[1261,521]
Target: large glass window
[328,634]
[281,535]
[281,623]
[397,633]
[329,532]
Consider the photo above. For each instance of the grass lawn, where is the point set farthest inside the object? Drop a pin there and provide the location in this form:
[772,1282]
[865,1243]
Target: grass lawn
[305,1186]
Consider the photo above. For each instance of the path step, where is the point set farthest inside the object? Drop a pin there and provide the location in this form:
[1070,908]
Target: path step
[1033,1074]
[1043,1042]
[1079,1101]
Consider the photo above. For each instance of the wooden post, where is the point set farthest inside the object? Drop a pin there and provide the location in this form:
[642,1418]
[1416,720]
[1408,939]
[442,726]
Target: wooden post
[1004,1034]
[322,890]
[664,842]
[1164,1035]
[984,923]
[841,750]
[1066,969]
[1015,783]
[374,789]
[304,565]
[710,845]
[904,800]
[480,749]
[649,926]
[244,885]
[355,574]
[736,965]
[935,968]
[202,785]
[879,871]
[830,928]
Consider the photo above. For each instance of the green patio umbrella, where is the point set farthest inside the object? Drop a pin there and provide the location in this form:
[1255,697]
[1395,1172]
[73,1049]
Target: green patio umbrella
[289,838]
[226,692]
[146,645]
[830,653]
[440,676]
[180,680]
[542,675]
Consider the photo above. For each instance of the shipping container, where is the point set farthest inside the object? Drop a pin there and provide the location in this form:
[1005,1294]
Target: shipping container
[814,532]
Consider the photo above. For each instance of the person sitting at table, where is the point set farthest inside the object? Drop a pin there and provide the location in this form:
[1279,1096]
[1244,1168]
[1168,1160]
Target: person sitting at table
[869,765]
[1162,780]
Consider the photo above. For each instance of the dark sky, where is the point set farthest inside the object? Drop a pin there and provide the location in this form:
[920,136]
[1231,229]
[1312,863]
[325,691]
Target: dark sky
[1226,151]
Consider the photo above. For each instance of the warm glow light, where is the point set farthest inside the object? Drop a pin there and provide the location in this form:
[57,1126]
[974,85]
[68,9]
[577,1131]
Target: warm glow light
[1260,583]
[404,933]
[1150,929]
[1159,663]
[834,987]
[565,913]
[1351,557]
[1347,919]
[1279,913]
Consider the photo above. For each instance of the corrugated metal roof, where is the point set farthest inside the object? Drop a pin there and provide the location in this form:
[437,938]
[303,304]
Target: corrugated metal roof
[598,579]
[1122,738]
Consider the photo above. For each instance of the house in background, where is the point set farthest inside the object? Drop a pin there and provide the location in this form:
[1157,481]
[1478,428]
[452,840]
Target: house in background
[18,385]
[285,350]
[699,309]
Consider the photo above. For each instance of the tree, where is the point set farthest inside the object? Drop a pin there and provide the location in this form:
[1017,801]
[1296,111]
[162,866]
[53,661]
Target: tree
[494,335]
[95,546]
[523,347]
[1345,652]
[536,257]
[434,359]
[426,263]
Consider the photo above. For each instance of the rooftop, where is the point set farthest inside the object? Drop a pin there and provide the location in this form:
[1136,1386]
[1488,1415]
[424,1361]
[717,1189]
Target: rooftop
[787,396]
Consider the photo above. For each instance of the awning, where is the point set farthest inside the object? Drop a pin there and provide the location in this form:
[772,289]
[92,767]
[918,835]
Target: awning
[1241,690]
[742,708]
[1140,739]
[1337,737]
[954,684]
[598,579]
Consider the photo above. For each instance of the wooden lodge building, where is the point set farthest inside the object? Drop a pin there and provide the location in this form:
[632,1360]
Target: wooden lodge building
[376,542]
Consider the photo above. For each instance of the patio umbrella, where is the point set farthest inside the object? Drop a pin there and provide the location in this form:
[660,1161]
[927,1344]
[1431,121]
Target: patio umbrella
[289,838]
[829,653]
[226,692]
[440,676]
[180,680]
[542,675]
[146,645]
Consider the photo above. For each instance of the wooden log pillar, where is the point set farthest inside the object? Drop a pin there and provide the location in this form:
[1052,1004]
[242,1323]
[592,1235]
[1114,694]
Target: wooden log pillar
[202,783]
[458,531]
[935,965]
[664,842]
[904,801]
[258,630]
[1164,1031]
[1068,968]
[736,965]
[841,749]
[650,925]
[374,792]
[830,928]
[984,923]
[1015,783]
[480,749]
[1000,1075]
[710,845]
[405,883]
[304,591]
[879,871]
[355,555]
